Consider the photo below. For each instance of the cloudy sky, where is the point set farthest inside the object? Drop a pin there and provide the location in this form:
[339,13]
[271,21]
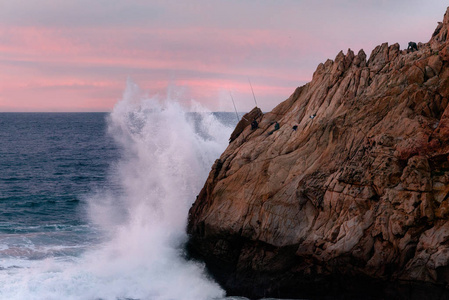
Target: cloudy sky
[77,55]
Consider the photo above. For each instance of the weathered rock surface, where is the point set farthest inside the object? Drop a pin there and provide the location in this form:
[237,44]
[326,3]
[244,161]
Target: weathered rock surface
[353,202]
[246,120]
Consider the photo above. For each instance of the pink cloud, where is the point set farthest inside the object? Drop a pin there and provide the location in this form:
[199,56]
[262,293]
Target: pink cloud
[53,57]
[49,62]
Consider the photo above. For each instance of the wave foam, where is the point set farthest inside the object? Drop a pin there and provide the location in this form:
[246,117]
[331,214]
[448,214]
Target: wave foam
[165,159]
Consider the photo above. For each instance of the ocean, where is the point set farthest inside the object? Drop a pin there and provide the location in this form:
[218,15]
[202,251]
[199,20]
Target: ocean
[94,205]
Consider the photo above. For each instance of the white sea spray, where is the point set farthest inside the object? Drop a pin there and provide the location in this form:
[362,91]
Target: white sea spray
[165,159]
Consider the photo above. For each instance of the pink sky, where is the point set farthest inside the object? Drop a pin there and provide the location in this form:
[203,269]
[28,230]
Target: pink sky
[76,55]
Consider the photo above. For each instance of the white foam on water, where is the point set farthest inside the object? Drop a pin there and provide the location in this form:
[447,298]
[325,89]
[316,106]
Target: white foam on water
[163,165]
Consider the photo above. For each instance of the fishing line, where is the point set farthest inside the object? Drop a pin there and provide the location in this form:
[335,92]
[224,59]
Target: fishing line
[254,96]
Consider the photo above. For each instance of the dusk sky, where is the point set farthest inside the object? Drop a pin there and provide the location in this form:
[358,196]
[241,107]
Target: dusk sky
[67,55]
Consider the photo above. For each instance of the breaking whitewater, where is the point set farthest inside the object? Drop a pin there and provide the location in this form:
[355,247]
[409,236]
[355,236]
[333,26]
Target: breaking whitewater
[94,206]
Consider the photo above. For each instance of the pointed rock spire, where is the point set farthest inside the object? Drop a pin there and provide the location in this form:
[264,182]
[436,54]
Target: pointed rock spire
[360,59]
[441,33]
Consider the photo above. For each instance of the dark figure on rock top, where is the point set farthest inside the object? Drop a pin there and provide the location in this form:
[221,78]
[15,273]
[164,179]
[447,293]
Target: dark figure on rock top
[254,124]
[412,46]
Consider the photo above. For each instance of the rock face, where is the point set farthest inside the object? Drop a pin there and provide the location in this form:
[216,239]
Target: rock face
[246,120]
[352,202]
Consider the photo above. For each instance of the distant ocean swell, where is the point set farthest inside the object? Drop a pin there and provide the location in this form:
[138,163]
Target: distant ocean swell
[131,246]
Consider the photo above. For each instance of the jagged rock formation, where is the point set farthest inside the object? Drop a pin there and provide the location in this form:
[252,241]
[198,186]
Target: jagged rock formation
[246,120]
[356,198]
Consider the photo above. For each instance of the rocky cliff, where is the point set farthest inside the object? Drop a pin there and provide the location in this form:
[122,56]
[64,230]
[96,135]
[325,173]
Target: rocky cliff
[350,196]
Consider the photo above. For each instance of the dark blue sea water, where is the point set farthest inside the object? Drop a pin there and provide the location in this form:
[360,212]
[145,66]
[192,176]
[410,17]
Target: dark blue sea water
[94,205]
[49,164]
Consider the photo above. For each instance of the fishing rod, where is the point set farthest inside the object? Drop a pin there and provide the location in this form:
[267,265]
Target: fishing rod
[254,96]
[236,113]
[235,108]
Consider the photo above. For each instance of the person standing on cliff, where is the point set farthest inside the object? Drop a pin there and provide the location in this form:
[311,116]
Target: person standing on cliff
[412,46]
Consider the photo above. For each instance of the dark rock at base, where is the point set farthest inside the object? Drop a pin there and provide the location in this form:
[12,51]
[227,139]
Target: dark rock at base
[290,284]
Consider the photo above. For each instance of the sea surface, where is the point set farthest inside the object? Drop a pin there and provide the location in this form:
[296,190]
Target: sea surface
[94,205]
